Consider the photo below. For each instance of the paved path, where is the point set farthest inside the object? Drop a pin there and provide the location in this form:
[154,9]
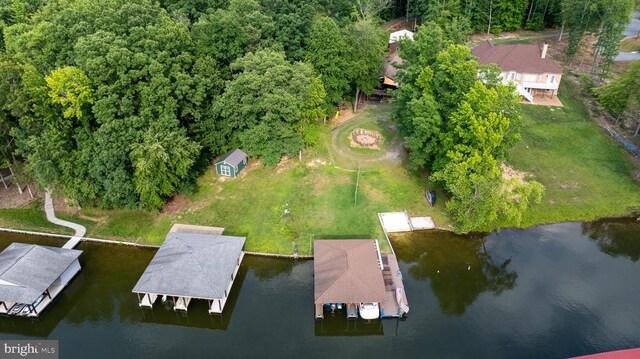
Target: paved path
[627,56]
[51,217]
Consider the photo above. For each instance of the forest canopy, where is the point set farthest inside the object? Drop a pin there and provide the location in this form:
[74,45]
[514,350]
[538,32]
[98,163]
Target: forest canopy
[121,103]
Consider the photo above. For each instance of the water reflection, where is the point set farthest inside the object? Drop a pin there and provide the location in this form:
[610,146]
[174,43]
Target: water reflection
[339,325]
[616,237]
[459,268]
[268,268]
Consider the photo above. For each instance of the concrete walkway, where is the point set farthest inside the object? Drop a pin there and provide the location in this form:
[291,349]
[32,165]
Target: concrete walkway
[51,217]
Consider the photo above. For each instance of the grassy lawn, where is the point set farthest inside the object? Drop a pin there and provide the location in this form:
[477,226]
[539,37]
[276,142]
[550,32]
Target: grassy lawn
[630,45]
[585,173]
[319,191]
[31,218]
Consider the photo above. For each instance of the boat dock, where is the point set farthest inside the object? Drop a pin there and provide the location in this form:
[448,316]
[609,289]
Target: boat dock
[395,304]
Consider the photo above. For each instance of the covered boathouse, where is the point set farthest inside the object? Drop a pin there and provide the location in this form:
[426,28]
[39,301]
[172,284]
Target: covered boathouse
[350,273]
[194,262]
[31,276]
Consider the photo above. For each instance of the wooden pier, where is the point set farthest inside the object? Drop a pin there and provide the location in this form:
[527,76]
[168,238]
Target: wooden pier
[395,304]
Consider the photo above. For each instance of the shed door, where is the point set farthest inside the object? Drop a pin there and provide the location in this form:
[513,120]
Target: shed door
[225,170]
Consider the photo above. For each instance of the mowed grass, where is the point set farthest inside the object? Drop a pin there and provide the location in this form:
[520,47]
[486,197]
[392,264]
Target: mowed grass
[31,218]
[586,174]
[630,44]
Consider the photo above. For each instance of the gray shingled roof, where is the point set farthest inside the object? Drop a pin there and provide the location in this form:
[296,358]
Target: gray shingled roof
[233,157]
[192,265]
[31,269]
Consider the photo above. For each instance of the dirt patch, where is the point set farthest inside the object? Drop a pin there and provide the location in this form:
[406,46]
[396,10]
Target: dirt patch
[175,205]
[252,165]
[284,164]
[512,178]
[509,173]
[11,198]
[316,163]
[342,117]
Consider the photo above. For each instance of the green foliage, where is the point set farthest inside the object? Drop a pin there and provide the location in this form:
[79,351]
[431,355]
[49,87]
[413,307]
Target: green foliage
[462,129]
[367,50]
[587,84]
[70,88]
[266,103]
[608,18]
[617,95]
[161,161]
[455,72]
[327,52]
[83,82]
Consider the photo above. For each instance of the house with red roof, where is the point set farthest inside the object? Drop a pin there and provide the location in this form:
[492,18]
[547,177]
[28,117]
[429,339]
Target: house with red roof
[534,73]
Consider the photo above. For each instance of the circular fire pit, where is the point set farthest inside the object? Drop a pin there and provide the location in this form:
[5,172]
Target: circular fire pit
[366,138]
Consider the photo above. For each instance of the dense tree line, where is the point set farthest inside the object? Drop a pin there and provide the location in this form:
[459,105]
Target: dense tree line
[461,128]
[120,103]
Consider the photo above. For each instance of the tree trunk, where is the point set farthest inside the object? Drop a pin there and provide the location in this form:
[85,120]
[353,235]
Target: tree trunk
[530,9]
[490,13]
[544,13]
[355,102]
[637,130]
[407,18]
[561,32]
[16,180]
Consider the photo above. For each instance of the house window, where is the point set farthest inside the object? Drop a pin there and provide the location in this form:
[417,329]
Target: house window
[518,76]
[552,79]
[512,75]
[225,170]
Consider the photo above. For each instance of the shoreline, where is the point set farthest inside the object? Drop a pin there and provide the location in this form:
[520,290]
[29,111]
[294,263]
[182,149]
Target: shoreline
[631,216]
[139,245]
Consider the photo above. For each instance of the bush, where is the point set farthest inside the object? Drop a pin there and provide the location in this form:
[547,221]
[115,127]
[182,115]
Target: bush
[587,84]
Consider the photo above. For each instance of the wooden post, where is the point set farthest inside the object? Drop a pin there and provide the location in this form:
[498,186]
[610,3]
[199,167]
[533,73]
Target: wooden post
[637,130]
[355,195]
[30,193]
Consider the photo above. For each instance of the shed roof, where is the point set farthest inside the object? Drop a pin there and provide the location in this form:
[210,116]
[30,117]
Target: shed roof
[27,270]
[233,157]
[522,58]
[347,271]
[192,265]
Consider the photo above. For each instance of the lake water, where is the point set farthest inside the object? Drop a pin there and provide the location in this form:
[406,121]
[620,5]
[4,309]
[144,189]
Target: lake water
[547,292]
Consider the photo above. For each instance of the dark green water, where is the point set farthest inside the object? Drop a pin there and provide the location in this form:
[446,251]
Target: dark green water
[547,292]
